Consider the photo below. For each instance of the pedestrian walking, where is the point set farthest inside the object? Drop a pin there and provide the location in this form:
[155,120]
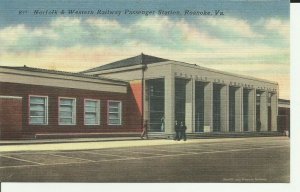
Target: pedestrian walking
[258,125]
[162,127]
[182,131]
[177,131]
[145,130]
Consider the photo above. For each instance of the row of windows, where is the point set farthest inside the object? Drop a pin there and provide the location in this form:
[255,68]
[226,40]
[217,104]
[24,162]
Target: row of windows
[38,111]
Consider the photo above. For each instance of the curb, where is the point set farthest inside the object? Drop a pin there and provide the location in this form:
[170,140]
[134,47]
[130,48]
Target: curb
[57,141]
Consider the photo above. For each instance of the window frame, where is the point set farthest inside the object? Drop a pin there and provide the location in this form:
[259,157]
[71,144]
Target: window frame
[46,109]
[74,119]
[120,112]
[98,111]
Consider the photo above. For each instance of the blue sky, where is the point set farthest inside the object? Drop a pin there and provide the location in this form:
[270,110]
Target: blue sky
[246,9]
[251,38]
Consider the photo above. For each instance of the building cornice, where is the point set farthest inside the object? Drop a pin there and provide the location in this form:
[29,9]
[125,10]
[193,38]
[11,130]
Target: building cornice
[57,80]
[63,77]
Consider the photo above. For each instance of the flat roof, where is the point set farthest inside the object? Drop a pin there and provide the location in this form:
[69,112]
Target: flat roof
[40,70]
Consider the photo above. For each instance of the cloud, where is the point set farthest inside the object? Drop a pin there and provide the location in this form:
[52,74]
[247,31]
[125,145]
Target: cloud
[11,34]
[65,22]
[75,44]
[232,27]
[99,22]
[208,35]
[278,26]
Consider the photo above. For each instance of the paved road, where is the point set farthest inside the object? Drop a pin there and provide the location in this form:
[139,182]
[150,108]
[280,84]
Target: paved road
[228,160]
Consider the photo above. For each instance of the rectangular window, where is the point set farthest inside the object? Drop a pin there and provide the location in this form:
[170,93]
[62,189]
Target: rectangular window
[91,112]
[114,113]
[67,111]
[38,110]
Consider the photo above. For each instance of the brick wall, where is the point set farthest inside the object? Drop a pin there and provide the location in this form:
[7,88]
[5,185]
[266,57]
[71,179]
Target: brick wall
[10,117]
[129,109]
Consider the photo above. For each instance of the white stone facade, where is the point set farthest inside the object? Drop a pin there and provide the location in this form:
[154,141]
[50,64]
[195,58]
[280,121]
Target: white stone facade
[193,74]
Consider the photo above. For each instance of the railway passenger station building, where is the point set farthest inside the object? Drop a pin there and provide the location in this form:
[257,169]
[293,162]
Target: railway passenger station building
[115,98]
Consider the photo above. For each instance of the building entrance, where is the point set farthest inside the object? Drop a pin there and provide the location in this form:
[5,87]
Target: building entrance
[156,104]
[232,108]
[217,107]
[180,99]
[246,109]
[199,106]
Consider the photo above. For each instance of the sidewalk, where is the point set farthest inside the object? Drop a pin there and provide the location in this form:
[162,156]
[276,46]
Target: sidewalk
[101,144]
[67,140]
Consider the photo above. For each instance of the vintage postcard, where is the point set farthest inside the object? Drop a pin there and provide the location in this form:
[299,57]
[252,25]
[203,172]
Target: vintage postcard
[144,91]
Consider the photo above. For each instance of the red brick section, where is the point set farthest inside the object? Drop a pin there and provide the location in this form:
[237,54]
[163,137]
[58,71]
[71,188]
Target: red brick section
[136,90]
[136,104]
[10,117]
[130,121]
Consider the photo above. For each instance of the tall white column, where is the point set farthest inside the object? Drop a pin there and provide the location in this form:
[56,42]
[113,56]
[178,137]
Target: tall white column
[264,111]
[252,110]
[190,105]
[224,108]
[239,110]
[169,104]
[208,107]
[274,111]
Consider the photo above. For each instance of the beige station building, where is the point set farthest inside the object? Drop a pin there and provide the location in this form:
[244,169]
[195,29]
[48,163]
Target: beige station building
[206,100]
